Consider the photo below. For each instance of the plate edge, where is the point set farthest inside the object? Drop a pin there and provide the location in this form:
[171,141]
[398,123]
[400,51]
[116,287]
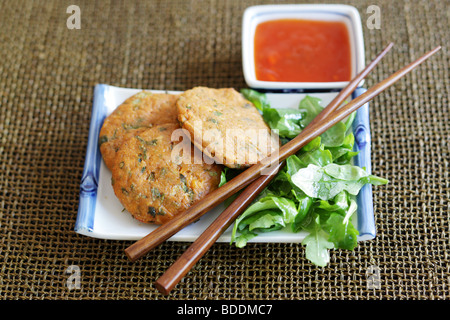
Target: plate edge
[90,177]
[361,129]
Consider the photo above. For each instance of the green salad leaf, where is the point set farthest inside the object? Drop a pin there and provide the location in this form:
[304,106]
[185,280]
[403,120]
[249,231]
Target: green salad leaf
[267,214]
[326,182]
[315,191]
[317,245]
[333,137]
[341,230]
[287,122]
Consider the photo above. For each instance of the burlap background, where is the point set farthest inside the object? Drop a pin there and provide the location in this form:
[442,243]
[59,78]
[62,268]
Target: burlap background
[47,76]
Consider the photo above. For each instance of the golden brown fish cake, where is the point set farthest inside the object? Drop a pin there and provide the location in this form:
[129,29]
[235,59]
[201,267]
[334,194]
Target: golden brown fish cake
[151,182]
[226,126]
[139,112]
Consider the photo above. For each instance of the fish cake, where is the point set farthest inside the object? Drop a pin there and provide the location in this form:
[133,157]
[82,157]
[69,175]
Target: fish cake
[139,112]
[150,180]
[226,126]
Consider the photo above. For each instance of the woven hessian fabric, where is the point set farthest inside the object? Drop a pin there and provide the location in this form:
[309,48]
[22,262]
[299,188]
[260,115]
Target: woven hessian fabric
[47,77]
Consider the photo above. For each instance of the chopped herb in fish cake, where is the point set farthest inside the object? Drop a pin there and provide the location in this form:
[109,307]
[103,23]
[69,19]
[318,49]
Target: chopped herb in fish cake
[136,114]
[226,126]
[150,185]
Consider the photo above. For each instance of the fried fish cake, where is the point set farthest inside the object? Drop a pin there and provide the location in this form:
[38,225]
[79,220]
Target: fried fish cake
[139,112]
[226,126]
[150,180]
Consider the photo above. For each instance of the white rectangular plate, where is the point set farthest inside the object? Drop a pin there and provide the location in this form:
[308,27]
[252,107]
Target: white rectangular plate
[101,215]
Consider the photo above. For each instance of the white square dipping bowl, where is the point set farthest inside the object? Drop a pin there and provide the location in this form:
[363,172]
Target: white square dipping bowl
[319,12]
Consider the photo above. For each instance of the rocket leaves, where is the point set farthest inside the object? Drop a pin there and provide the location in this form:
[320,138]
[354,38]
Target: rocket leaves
[315,192]
[326,182]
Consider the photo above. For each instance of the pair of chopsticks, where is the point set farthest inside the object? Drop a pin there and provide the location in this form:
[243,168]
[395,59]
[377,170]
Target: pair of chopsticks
[253,176]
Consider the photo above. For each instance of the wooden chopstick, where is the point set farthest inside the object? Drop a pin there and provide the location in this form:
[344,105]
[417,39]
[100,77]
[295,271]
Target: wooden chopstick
[164,232]
[202,244]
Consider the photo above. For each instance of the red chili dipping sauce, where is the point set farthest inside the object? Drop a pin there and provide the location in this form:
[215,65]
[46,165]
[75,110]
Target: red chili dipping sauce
[292,50]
